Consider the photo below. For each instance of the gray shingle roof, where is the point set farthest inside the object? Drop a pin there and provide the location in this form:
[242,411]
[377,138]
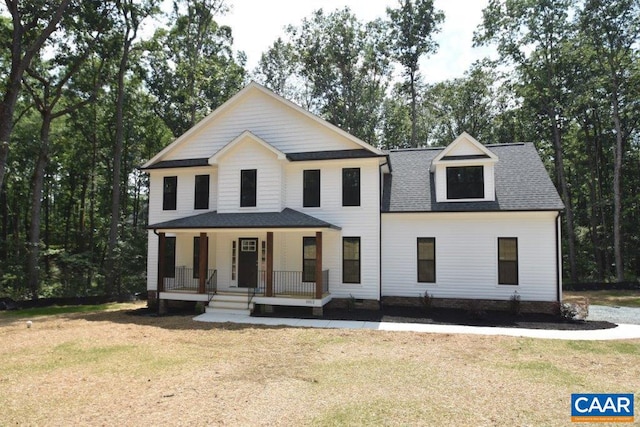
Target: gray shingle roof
[288,218]
[522,183]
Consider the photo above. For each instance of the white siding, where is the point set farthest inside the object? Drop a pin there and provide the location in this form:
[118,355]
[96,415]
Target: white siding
[355,221]
[269,176]
[466,254]
[185,193]
[464,148]
[276,123]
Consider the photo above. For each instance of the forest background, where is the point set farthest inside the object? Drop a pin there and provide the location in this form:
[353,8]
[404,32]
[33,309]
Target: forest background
[88,95]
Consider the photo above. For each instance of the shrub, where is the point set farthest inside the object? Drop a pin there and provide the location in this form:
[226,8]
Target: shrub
[427,301]
[514,304]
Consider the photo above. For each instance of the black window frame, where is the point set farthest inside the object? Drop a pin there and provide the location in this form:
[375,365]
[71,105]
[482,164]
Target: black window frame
[351,184]
[350,265]
[508,269]
[170,193]
[426,266]
[309,264]
[463,183]
[248,188]
[311,188]
[201,192]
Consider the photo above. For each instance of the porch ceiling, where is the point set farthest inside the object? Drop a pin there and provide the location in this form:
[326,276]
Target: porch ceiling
[288,218]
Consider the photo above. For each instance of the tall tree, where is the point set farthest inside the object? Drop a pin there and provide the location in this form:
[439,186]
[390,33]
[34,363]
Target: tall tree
[32,24]
[463,105]
[192,68]
[348,70]
[132,15]
[533,36]
[48,83]
[612,28]
[413,25]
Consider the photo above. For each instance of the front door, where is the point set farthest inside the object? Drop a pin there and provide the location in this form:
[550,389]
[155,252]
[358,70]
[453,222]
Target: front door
[248,263]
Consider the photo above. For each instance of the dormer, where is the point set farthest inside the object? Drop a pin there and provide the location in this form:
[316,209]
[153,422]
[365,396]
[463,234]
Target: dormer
[464,172]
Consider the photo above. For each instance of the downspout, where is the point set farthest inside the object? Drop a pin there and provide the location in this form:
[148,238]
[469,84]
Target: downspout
[380,231]
[558,270]
[155,231]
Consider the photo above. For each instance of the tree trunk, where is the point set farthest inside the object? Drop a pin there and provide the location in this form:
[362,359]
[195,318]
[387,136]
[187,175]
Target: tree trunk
[414,108]
[566,198]
[617,187]
[37,184]
[21,57]
[110,273]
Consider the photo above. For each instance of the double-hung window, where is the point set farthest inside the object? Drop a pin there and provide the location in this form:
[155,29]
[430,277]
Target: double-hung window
[351,187]
[201,197]
[507,261]
[308,259]
[311,188]
[248,187]
[169,257]
[426,259]
[351,259]
[169,193]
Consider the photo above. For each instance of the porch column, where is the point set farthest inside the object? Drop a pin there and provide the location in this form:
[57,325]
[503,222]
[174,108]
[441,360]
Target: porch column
[319,283]
[162,243]
[269,273]
[202,264]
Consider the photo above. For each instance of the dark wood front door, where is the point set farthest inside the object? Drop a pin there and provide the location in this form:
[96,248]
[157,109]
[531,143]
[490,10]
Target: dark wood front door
[248,263]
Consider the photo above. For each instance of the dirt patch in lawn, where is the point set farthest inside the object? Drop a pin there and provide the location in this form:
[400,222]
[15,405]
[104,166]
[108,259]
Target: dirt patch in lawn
[608,297]
[114,368]
[442,316]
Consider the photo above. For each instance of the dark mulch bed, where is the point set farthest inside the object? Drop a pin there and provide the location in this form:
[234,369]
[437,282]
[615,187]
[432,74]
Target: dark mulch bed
[443,316]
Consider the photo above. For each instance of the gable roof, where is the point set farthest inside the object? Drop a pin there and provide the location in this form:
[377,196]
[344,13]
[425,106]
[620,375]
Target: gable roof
[480,152]
[254,87]
[522,183]
[245,136]
[288,218]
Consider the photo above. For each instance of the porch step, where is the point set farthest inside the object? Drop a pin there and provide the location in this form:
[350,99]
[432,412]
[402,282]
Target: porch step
[229,304]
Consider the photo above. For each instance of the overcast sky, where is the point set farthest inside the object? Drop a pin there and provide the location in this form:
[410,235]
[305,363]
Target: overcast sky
[257,24]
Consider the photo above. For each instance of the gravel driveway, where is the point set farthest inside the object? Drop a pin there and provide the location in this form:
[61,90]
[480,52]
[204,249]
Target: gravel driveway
[629,315]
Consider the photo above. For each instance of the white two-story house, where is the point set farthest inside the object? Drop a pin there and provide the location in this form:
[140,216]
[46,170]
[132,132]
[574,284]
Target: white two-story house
[265,203]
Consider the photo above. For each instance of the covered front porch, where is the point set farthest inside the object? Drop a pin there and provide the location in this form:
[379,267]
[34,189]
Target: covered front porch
[281,263]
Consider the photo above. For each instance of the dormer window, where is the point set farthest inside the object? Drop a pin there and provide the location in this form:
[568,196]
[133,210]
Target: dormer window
[465,182]
[464,172]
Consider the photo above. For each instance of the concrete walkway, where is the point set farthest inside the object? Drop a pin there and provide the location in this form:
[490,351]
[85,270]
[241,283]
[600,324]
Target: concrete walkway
[622,331]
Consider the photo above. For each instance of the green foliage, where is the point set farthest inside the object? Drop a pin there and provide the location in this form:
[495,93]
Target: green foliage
[191,67]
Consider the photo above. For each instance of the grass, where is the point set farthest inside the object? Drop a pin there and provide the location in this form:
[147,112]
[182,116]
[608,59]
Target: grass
[107,367]
[627,298]
[55,309]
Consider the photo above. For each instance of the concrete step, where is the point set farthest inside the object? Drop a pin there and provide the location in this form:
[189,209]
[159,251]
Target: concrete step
[230,297]
[231,305]
[225,311]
